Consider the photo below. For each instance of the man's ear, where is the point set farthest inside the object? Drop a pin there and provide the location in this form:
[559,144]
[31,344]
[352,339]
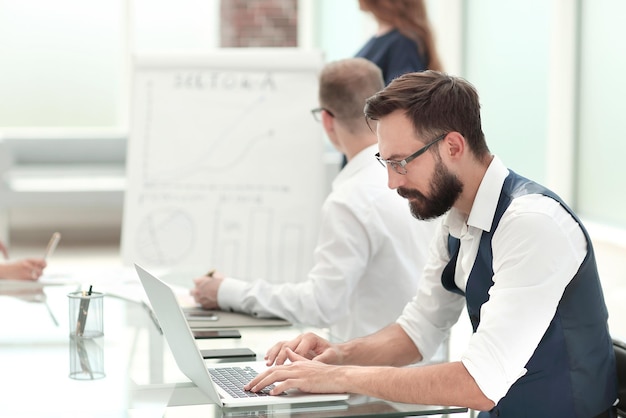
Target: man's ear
[454,145]
[330,127]
[328,122]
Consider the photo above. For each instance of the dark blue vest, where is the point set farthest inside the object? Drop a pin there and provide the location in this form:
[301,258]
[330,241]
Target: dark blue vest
[572,371]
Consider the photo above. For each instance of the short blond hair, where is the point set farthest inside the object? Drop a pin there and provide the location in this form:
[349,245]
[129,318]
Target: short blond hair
[345,85]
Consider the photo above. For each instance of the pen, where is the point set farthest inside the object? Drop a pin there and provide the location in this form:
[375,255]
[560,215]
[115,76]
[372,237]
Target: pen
[83,357]
[52,244]
[82,313]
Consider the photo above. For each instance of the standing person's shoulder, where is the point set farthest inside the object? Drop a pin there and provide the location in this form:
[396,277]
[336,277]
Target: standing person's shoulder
[403,57]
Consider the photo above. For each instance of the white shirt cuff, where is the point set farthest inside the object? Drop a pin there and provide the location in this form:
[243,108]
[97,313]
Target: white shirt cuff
[231,293]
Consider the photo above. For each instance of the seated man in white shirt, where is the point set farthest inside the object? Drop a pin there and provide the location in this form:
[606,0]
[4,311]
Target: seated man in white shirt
[370,251]
[508,249]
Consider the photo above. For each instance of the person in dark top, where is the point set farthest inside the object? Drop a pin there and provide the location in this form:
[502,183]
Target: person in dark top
[404,41]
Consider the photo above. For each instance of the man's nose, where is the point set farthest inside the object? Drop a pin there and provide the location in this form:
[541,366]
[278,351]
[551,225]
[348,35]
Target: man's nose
[394,180]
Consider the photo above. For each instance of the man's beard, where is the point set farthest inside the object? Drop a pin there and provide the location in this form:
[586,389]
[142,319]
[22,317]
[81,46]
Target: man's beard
[445,189]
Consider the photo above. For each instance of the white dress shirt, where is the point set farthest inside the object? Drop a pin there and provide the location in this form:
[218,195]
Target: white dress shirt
[537,249]
[368,259]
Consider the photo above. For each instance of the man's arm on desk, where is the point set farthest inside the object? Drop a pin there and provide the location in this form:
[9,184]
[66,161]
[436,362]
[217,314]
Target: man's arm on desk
[318,302]
[440,384]
[341,259]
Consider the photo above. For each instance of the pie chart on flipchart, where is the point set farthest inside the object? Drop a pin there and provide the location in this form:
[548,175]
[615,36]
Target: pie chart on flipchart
[165,236]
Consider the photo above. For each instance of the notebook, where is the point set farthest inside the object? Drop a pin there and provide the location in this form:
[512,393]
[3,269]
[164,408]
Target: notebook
[188,358]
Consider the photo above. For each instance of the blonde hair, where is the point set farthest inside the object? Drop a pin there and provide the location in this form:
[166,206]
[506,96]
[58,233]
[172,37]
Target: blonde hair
[344,87]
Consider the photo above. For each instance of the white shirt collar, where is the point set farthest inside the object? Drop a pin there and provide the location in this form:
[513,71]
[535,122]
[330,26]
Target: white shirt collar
[484,206]
[361,160]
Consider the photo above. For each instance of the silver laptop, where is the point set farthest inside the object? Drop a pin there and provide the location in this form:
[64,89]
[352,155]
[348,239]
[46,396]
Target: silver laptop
[188,358]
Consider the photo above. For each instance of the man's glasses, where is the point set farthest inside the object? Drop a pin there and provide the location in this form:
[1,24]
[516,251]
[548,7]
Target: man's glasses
[318,110]
[400,166]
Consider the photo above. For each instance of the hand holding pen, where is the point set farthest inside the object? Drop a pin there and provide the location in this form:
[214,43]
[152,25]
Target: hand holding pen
[206,289]
[27,268]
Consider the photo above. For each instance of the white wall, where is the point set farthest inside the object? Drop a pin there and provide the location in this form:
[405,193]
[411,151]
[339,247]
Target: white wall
[61,62]
[602,143]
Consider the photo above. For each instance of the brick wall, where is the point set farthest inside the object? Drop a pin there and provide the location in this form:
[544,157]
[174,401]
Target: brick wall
[259,23]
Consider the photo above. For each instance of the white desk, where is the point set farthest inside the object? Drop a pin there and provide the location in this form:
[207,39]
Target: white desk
[142,379]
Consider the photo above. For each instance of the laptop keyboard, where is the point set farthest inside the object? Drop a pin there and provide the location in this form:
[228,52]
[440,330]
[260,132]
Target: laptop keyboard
[233,379]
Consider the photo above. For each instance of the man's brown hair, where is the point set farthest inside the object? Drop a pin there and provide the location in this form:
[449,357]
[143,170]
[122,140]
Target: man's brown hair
[435,103]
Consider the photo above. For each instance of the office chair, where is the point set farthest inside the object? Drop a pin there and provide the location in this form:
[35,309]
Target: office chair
[620,360]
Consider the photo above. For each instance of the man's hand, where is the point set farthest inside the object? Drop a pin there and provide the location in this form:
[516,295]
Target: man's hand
[206,288]
[302,374]
[307,346]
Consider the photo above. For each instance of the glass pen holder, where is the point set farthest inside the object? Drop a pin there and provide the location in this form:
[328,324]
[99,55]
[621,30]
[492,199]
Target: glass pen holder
[86,335]
[85,314]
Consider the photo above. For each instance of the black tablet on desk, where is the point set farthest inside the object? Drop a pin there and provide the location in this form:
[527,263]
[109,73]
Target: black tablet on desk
[242,353]
[216,333]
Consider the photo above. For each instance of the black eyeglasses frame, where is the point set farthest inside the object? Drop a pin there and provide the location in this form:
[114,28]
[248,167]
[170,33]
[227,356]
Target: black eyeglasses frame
[400,166]
[316,113]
